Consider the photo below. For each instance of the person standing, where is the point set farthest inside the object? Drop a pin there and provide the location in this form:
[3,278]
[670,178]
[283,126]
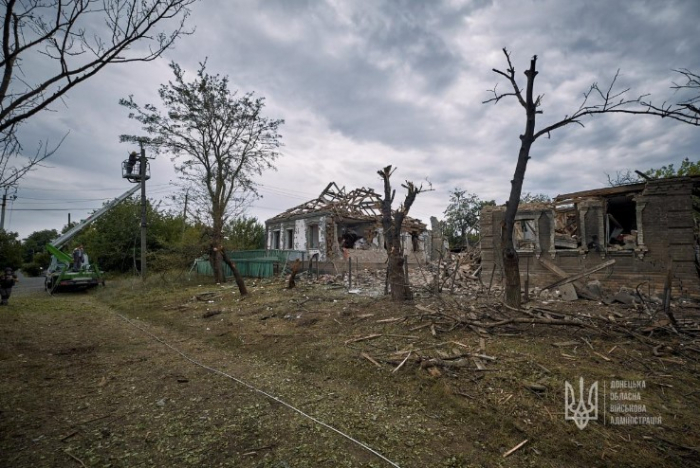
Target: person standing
[7,281]
[78,258]
[131,162]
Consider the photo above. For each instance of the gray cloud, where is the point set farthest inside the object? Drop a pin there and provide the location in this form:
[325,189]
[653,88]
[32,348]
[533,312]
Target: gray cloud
[364,84]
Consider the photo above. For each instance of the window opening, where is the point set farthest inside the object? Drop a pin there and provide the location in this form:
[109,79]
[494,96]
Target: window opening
[525,234]
[566,229]
[313,236]
[289,239]
[621,223]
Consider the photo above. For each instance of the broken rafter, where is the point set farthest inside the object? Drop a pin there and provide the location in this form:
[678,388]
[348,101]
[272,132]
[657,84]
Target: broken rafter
[359,204]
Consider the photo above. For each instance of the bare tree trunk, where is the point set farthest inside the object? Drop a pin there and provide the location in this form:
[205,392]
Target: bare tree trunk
[295,269]
[215,261]
[391,223]
[236,274]
[510,255]
[399,287]
[216,246]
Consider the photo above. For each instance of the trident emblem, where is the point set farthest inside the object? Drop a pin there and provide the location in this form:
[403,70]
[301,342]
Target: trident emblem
[582,412]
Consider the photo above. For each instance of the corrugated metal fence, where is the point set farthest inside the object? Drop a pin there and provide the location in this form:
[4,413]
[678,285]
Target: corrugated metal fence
[253,263]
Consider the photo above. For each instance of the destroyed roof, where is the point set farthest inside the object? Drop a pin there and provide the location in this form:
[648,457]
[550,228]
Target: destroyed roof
[607,191]
[623,189]
[361,203]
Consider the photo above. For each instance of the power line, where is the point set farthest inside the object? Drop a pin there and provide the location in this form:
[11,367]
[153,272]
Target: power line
[52,209]
[84,189]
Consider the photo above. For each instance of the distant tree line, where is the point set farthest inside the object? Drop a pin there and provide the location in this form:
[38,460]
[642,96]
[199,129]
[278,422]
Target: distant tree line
[113,241]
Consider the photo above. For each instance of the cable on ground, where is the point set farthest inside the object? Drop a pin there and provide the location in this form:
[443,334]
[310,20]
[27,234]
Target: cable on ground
[257,390]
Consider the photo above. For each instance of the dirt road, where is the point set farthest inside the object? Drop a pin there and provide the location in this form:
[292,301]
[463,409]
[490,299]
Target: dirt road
[28,285]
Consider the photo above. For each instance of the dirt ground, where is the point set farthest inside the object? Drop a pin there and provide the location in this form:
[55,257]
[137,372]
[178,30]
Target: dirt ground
[172,373]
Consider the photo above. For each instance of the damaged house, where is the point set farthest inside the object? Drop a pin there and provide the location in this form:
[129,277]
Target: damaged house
[339,225]
[633,235]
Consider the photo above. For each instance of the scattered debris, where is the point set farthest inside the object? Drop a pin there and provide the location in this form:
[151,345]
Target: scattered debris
[211,313]
[509,452]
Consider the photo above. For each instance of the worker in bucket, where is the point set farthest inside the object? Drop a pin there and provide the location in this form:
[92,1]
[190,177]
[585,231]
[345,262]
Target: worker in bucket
[78,258]
[7,281]
[131,162]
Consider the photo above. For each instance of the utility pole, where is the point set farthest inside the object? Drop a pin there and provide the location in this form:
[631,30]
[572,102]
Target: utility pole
[2,217]
[184,213]
[4,204]
[142,175]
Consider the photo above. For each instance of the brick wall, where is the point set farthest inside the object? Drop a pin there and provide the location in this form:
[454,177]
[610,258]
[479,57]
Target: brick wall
[667,233]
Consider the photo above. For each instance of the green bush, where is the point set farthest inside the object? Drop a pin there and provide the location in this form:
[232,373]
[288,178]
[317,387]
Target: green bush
[32,269]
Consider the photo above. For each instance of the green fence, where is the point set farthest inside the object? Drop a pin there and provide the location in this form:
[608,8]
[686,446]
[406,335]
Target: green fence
[252,263]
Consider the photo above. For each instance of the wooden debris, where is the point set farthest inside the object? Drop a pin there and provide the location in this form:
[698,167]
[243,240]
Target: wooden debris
[211,313]
[66,437]
[363,338]
[75,458]
[370,359]
[564,344]
[402,363]
[479,365]
[388,320]
[605,358]
[364,316]
[509,452]
[535,387]
[587,272]
[207,296]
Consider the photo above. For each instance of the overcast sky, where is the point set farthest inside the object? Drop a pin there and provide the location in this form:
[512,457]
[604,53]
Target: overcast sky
[364,84]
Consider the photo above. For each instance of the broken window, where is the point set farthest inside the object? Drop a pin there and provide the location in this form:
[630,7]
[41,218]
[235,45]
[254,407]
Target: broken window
[313,236]
[621,225]
[357,236]
[289,239]
[276,240]
[525,234]
[566,227]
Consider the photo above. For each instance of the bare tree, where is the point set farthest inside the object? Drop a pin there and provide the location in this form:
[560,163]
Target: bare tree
[391,224]
[627,177]
[220,141]
[595,101]
[51,46]
[686,108]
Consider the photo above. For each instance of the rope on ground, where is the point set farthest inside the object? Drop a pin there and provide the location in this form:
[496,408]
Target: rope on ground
[257,390]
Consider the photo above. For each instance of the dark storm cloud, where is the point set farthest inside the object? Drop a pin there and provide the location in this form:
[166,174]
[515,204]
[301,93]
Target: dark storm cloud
[365,89]
[366,83]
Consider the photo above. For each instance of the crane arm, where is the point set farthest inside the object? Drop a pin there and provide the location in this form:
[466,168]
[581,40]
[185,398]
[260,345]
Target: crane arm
[72,232]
